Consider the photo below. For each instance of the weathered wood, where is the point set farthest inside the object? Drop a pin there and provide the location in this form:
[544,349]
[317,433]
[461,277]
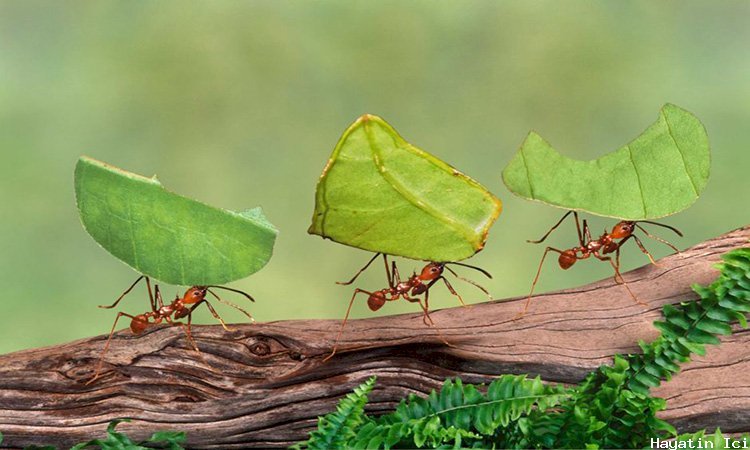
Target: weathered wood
[264,385]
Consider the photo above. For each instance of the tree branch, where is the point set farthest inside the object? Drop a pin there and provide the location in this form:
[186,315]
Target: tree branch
[264,385]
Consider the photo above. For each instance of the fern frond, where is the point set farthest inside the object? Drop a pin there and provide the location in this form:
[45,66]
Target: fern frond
[459,414]
[337,428]
[717,440]
[687,328]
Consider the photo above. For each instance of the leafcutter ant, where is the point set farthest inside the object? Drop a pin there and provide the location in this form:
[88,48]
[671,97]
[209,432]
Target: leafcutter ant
[180,308]
[409,289]
[607,244]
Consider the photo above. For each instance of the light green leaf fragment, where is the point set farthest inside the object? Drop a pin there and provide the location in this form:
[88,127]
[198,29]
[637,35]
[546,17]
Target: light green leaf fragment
[165,236]
[382,194]
[661,172]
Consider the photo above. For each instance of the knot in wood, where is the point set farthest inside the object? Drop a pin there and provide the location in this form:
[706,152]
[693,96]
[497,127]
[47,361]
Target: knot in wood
[260,348]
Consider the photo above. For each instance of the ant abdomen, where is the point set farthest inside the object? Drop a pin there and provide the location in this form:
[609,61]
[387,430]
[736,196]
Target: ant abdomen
[376,300]
[567,259]
[138,324]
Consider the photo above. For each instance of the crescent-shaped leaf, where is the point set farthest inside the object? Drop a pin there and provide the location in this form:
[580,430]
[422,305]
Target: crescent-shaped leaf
[382,194]
[165,236]
[661,172]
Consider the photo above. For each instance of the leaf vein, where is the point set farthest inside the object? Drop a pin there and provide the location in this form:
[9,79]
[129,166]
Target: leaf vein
[408,196]
[682,154]
[638,177]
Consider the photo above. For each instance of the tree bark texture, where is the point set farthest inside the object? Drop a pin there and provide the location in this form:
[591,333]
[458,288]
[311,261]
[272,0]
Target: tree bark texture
[264,385]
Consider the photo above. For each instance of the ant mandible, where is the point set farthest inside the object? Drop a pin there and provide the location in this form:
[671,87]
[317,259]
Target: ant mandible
[409,289]
[180,308]
[606,244]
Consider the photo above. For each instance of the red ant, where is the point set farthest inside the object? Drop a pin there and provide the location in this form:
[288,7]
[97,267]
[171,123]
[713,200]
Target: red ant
[408,289]
[606,244]
[171,313]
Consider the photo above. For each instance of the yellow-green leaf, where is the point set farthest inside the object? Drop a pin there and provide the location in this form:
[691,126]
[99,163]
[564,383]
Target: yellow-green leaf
[165,236]
[661,172]
[382,194]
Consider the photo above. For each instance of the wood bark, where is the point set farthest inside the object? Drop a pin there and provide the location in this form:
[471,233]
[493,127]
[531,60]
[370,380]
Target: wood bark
[264,385]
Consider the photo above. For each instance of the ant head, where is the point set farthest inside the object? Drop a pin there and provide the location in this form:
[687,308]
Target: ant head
[623,229]
[431,271]
[195,294]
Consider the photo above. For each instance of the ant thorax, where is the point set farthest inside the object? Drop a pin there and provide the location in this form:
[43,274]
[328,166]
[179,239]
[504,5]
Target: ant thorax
[167,310]
[405,286]
[594,246]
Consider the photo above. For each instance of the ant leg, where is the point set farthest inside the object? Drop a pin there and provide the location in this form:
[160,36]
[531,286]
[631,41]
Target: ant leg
[617,263]
[237,307]
[657,238]
[158,299]
[425,307]
[189,333]
[533,284]
[127,291]
[452,291]
[643,249]
[586,234]
[343,324]
[616,267]
[217,316]
[395,277]
[356,275]
[106,346]
[389,273]
[618,277]
[554,227]
[213,313]
[489,297]
[426,316]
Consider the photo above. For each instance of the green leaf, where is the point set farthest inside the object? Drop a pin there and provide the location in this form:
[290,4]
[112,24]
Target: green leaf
[114,441]
[661,172]
[382,194]
[336,428]
[172,438]
[166,236]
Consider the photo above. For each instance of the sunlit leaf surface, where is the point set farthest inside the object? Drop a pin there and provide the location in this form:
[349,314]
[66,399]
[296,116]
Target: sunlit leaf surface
[166,236]
[382,194]
[661,172]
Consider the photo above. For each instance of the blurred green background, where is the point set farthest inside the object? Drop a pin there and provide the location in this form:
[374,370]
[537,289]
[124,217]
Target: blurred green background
[239,104]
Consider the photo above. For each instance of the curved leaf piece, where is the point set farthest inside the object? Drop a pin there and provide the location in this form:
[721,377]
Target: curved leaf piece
[382,194]
[661,172]
[165,236]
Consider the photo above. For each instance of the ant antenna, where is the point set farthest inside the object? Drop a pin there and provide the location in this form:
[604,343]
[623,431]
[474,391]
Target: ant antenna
[226,302]
[657,238]
[232,290]
[479,269]
[678,232]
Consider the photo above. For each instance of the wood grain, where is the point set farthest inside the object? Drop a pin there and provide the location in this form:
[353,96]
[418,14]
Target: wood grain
[264,385]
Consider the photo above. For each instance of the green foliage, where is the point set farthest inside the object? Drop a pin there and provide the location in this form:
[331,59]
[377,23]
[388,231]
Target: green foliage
[716,440]
[119,441]
[335,429]
[166,236]
[382,194]
[462,414]
[688,327]
[610,408]
[661,172]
